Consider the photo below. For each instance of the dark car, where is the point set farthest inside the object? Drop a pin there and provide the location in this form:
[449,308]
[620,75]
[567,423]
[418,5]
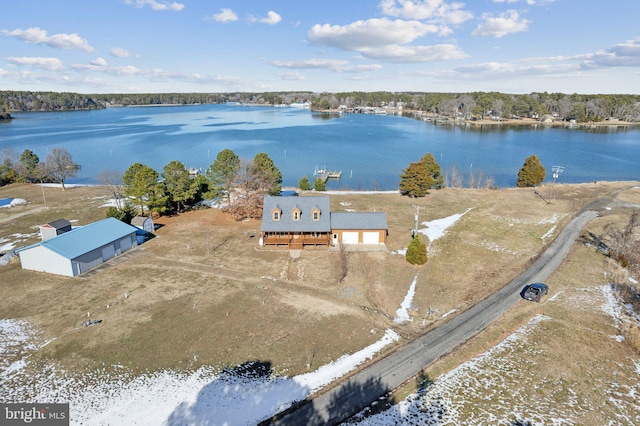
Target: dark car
[535,291]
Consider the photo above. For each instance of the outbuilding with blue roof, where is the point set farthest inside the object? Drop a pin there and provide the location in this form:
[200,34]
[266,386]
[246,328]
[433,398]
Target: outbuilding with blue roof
[80,249]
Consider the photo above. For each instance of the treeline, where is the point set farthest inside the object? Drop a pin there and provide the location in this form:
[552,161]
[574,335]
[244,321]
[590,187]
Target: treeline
[494,105]
[469,106]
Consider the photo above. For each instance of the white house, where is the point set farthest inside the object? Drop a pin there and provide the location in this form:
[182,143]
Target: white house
[80,249]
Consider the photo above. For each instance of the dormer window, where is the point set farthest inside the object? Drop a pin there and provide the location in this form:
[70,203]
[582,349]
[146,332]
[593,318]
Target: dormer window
[315,214]
[276,214]
[295,214]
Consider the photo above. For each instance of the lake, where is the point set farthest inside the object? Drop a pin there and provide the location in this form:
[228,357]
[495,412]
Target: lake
[370,150]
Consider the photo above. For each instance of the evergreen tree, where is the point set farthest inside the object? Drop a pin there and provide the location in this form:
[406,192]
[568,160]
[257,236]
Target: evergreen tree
[416,252]
[29,166]
[532,173]
[271,172]
[319,185]
[417,179]
[178,183]
[304,183]
[221,173]
[141,183]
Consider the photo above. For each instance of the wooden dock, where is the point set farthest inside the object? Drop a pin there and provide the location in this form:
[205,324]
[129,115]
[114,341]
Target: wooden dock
[325,175]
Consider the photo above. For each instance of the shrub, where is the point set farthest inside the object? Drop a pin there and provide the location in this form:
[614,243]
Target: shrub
[319,185]
[304,184]
[417,252]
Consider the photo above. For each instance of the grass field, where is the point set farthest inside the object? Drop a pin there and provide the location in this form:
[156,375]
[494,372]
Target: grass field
[204,293]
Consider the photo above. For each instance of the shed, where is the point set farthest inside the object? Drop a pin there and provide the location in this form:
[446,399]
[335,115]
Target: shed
[80,249]
[144,223]
[55,228]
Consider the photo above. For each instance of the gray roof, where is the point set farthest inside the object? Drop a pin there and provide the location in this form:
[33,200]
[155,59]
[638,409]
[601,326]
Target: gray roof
[82,240]
[358,220]
[140,220]
[59,224]
[306,223]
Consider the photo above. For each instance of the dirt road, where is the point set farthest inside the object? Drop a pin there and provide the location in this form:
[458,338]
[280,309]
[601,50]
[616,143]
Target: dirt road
[365,387]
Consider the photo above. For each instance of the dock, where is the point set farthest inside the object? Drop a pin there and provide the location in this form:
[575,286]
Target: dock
[325,175]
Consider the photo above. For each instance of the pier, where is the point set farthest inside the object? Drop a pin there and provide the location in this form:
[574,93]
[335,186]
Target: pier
[325,175]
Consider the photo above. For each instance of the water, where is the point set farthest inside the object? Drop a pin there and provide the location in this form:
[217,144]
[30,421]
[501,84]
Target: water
[370,150]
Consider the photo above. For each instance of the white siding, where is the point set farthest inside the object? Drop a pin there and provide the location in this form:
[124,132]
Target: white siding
[41,259]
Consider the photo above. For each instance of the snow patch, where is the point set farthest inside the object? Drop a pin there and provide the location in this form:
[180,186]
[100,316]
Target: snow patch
[402,313]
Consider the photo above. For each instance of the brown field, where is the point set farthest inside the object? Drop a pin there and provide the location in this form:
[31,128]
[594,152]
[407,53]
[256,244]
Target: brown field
[204,293]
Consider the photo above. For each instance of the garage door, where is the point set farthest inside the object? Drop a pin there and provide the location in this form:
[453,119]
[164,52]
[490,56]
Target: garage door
[108,252]
[349,238]
[371,238]
[125,244]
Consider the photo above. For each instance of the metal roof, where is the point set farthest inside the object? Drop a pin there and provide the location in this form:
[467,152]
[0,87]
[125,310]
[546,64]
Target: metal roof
[58,224]
[358,220]
[286,223]
[87,238]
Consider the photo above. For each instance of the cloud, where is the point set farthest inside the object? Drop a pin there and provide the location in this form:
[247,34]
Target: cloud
[97,64]
[51,64]
[334,65]
[433,10]
[413,54]
[508,22]
[272,18]
[119,52]
[36,35]
[157,5]
[311,64]
[290,76]
[625,54]
[369,34]
[225,15]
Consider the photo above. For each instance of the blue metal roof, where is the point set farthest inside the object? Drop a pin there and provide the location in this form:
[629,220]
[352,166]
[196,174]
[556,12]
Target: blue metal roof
[87,238]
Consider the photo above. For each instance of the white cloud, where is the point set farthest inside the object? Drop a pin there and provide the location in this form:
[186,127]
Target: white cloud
[311,64]
[51,64]
[225,15]
[508,22]
[157,5]
[272,18]
[412,54]
[433,10]
[369,34]
[330,64]
[290,76]
[37,35]
[625,54]
[119,52]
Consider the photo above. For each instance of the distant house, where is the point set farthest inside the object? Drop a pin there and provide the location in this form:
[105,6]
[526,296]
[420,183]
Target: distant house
[144,223]
[80,249]
[298,222]
[55,228]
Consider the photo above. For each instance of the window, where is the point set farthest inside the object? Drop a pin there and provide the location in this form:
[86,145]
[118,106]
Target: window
[315,214]
[295,214]
[275,214]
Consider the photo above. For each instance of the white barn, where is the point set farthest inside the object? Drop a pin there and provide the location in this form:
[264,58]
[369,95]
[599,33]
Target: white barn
[80,249]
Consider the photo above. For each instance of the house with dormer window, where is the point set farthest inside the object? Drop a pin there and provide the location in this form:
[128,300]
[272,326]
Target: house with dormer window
[298,222]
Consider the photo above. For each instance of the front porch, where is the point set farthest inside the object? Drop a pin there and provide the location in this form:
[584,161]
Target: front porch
[295,240]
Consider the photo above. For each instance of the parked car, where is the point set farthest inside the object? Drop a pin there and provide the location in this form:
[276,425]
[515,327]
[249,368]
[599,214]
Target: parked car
[535,291]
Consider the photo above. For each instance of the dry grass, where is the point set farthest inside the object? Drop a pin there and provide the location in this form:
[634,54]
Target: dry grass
[204,293]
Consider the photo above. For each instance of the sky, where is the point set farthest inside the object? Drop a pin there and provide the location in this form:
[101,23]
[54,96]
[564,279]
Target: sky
[152,46]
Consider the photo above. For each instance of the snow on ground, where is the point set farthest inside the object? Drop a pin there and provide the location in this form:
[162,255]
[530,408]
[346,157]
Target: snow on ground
[436,228]
[245,395]
[11,241]
[402,313]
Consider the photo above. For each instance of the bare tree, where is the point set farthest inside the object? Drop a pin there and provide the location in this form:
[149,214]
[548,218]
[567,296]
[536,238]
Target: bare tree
[248,190]
[60,166]
[113,181]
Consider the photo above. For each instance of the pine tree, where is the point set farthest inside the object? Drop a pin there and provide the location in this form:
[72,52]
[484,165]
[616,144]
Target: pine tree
[417,179]
[416,252]
[304,183]
[531,174]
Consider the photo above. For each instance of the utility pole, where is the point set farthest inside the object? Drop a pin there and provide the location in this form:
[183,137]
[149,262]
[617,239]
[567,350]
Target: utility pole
[556,173]
[417,214]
